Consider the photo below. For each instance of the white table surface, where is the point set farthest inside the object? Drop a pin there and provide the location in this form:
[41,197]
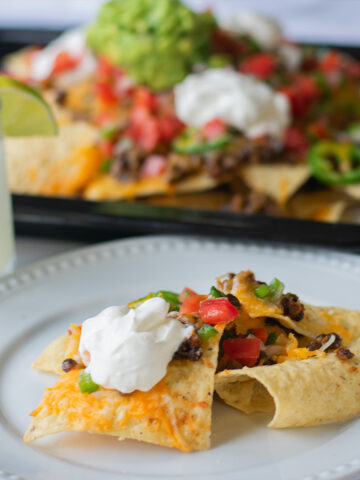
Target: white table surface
[321,21]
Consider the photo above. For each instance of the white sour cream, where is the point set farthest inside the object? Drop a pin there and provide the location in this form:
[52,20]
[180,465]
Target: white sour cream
[265,31]
[72,42]
[130,349]
[240,100]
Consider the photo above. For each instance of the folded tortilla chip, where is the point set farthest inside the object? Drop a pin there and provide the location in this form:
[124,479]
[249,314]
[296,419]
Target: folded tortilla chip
[325,206]
[174,413]
[316,320]
[66,346]
[279,182]
[60,165]
[106,187]
[353,190]
[302,393]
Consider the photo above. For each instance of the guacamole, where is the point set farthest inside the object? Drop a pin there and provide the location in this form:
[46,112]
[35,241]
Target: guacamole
[157,42]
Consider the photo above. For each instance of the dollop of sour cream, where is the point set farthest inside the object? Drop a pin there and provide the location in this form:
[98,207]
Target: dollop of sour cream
[265,30]
[239,100]
[129,349]
[72,42]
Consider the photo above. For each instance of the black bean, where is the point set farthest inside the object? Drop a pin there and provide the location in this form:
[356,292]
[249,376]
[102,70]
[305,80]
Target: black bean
[344,353]
[233,300]
[68,364]
[292,307]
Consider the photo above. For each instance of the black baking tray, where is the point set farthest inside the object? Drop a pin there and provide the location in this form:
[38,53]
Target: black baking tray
[94,221]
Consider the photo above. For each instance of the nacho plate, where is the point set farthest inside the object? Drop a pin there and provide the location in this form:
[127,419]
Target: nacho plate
[65,284]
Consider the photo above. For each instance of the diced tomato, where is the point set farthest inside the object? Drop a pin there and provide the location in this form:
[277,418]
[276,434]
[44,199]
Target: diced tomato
[217,310]
[106,147]
[331,62]
[154,166]
[103,118]
[214,129]
[262,65]
[105,92]
[170,126]
[351,68]
[145,98]
[192,304]
[318,130]
[139,115]
[244,350]
[64,62]
[144,128]
[150,135]
[301,94]
[307,87]
[294,139]
[187,292]
[104,68]
[260,333]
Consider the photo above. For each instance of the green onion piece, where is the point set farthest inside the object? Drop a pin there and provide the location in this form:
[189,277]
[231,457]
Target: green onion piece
[86,383]
[250,332]
[206,332]
[139,301]
[214,292]
[108,132]
[262,291]
[276,289]
[271,339]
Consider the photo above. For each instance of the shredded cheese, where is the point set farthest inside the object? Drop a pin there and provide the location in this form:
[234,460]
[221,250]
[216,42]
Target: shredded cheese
[254,306]
[293,352]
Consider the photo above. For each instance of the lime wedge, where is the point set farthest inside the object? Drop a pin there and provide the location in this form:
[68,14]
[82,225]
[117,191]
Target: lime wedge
[23,111]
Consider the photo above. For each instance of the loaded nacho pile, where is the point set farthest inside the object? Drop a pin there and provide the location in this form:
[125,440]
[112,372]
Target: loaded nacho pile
[176,102]
[148,370]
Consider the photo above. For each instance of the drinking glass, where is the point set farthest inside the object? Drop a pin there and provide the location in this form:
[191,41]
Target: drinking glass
[7,243]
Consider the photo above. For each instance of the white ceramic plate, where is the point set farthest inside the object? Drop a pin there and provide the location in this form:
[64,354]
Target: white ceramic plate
[38,303]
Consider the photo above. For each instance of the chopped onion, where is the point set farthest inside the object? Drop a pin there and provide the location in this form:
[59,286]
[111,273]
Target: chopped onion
[273,350]
[327,344]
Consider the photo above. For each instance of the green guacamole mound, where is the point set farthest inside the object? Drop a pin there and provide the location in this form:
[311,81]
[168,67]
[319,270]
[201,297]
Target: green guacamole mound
[156,41]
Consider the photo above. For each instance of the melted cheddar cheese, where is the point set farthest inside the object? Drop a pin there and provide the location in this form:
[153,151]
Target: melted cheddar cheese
[254,306]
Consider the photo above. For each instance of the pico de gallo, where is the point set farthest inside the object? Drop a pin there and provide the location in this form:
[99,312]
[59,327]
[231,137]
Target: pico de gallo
[146,131]
[251,313]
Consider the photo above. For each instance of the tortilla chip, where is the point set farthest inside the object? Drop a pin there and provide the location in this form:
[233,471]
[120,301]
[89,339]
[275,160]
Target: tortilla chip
[326,206]
[175,413]
[66,346]
[353,190]
[51,358]
[279,182]
[106,187]
[302,393]
[60,165]
[18,64]
[316,320]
